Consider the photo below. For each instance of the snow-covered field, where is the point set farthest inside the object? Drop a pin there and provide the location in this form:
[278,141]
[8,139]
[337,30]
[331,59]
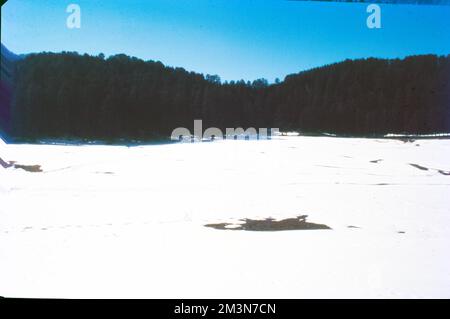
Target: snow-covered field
[112,221]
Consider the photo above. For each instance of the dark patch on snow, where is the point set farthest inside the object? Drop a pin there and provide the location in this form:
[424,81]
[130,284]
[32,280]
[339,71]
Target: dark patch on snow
[351,226]
[5,164]
[376,161]
[423,168]
[29,168]
[328,166]
[401,232]
[270,224]
[407,140]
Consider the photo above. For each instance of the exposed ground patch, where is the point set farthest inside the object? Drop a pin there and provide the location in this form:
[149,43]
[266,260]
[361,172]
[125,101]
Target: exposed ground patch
[270,224]
[407,140]
[28,168]
[5,164]
[423,168]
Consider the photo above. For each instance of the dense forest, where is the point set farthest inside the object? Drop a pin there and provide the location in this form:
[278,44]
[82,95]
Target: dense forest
[67,95]
[6,83]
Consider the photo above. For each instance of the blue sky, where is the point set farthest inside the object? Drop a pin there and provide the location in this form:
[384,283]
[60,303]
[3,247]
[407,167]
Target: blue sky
[235,39]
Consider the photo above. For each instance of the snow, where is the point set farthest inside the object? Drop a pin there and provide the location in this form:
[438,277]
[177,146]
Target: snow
[115,221]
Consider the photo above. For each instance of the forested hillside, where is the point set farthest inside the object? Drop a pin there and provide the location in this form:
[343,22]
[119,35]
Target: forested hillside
[6,85]
[71,95]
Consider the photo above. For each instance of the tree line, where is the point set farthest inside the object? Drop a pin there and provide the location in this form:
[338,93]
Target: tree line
[67,95]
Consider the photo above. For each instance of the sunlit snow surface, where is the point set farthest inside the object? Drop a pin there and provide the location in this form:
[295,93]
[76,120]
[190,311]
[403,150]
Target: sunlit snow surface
[113,221]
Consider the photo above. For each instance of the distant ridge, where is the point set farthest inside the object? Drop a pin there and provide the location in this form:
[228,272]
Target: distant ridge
[8,54]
